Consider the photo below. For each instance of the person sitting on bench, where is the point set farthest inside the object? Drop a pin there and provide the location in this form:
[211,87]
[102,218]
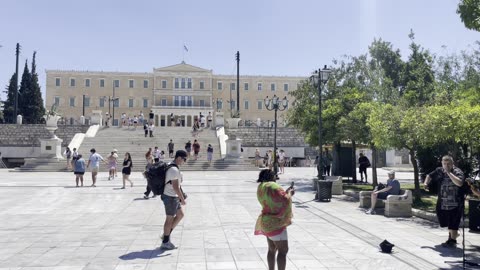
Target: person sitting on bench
[392,188]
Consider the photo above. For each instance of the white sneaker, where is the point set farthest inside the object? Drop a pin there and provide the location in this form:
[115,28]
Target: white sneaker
[168,246]
[370,212]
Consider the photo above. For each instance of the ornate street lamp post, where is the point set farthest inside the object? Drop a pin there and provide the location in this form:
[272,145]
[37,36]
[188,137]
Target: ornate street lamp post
[274,104]
[319,78]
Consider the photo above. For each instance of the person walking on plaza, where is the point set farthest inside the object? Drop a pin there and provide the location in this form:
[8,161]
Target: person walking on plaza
[173,199]
[95,159]
[196,149]
[450,201]
[112,165]
[170,148]
[188,148]
[79,169]
[172,120]
[327,162]
[275,216]
[115,155]
[74,156]
[127,169]
[209,153]
[68,156]
[258,158]
[281,160]
[392,188]
[364,163]
[149,158]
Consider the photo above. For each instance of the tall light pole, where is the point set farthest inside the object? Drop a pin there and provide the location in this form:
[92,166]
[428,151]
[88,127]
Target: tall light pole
[15,105]
[113,105]
[274,104]
[319,78]
[83,106]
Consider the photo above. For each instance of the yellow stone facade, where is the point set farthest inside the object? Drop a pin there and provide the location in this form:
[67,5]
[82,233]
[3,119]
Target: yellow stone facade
[182,89]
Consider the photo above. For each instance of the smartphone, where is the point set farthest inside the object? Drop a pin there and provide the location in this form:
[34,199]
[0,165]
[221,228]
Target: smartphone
[292,184]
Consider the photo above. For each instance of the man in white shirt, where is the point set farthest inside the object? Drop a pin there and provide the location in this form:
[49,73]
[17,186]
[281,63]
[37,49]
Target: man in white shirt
[173,198]
[95,161]
[156,154]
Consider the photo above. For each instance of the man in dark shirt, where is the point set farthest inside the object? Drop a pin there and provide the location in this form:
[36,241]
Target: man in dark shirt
[150,117]
[450,202]
[392,188]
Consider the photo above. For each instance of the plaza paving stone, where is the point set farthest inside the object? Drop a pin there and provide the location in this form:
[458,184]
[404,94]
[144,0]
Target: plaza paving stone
[47,223]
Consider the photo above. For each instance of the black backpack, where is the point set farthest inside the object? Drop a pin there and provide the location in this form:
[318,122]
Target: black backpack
[155,174]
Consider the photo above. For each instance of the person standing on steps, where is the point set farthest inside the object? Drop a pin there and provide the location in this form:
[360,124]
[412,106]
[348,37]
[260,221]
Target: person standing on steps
[188,148]
[170,148]
[196,149]
[173,199]
[127,169]
[145,129]
[209,120]
[156,154]
[94,160]
[209,153]
[151,127]
[150,117]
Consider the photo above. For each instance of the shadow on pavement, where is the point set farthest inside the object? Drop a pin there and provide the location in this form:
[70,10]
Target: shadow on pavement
[445,252]
[144,254]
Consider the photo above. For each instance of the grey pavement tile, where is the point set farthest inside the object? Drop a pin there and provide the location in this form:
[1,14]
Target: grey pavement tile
[191,266]
[162,266]
[94,266]
[221,265]
[131,266]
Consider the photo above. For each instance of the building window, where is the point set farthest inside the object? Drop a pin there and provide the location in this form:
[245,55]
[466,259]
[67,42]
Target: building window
[245,104]
[183,83]
[101,102]
[177,83]
[56,101]
[102,82]
[285,87]
[57,81]
[272,87]
[219,85]
[72,82]
[87,102]
[183,101]
[202,103]
[164,102]
[87,82]
[260,104]
[245,86]
[145,103]
[189,101]
[259,86]
[130,83]
[220,105]
[145,83]
[130,102]
[72,102]
[116,102]
[232,86]
[233,105]
[116,83]
[176,101]
[164,84]
[189,83]
[202,85]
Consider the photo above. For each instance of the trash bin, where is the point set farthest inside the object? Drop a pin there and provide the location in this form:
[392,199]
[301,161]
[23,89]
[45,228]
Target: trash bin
[474,215]
[324,190]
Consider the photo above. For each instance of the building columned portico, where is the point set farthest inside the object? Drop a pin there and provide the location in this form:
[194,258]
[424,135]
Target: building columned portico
[182,90]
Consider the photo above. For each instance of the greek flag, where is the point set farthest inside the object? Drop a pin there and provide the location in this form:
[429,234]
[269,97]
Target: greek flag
[185,47]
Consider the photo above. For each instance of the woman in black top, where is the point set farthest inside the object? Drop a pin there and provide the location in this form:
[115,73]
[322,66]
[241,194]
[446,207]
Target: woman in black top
[127,169]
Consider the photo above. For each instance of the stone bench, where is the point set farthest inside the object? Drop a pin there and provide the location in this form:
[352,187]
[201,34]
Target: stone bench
[395,205]
[337,185]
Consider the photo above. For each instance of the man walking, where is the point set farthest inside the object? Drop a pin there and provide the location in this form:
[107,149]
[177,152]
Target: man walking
[156,154]
[95,161]
[173,198]
[170,147]
[450,202]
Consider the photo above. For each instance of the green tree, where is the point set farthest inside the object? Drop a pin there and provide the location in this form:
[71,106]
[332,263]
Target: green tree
[23,92]
[9,104]
[35,107]
[469,11]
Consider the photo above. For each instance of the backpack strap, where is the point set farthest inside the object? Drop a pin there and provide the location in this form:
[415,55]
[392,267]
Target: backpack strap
[168,167]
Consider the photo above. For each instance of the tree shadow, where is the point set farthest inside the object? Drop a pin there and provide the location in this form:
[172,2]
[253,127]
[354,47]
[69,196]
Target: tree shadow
[144,254]
[445,252]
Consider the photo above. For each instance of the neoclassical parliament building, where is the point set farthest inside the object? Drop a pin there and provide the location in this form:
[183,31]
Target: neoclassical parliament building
[182,90]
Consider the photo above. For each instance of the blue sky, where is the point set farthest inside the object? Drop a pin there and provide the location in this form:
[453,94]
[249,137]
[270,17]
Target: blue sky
[274,37]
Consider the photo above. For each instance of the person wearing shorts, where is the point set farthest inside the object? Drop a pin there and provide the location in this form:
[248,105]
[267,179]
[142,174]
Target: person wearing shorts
[392,188]
[94,160]
[79,169]
[450,200]
[274,218]
[173,199]
[170,147]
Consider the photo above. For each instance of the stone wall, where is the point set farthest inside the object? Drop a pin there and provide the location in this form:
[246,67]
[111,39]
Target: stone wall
[12,135]
[263,137]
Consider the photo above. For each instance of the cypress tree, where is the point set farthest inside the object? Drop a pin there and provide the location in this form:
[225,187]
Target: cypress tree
[8,105]
[23,94]
[35,104]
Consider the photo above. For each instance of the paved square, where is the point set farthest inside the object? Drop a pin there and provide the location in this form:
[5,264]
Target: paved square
[47,223]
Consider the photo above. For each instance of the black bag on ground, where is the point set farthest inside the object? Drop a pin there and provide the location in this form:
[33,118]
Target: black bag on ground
[386,246]
[155,174]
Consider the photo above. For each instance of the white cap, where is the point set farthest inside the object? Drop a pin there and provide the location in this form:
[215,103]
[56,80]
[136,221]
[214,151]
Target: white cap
[391,172]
